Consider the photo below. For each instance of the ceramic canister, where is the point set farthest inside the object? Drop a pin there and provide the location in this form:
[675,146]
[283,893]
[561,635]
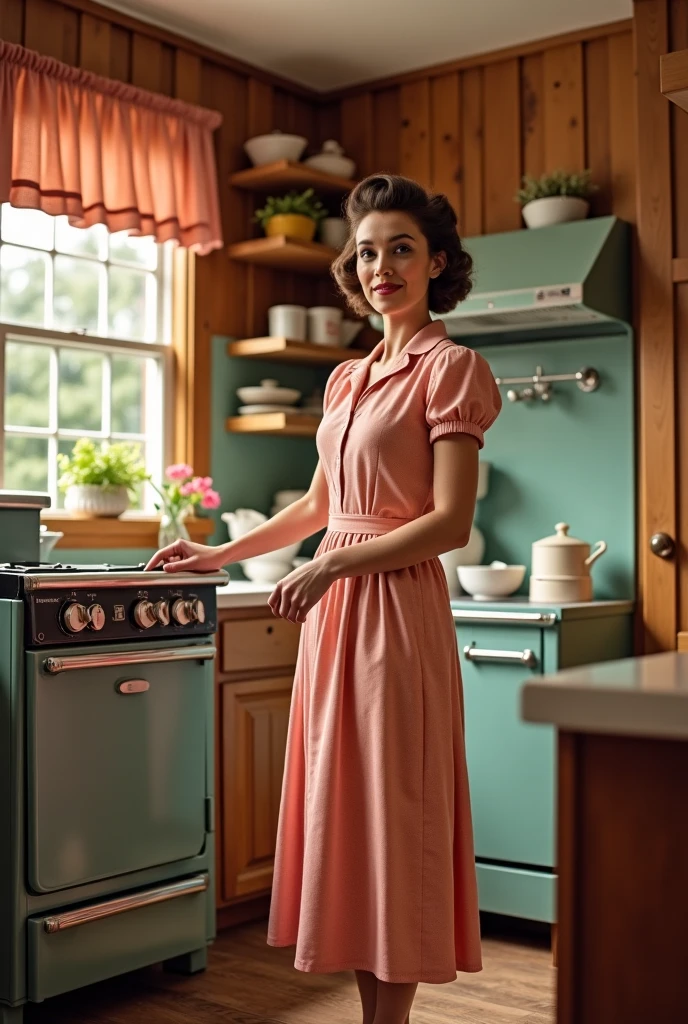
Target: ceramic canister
[561,555]
[558,589]
[287,322]
[324,325]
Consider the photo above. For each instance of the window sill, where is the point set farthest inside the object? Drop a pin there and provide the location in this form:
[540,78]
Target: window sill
[130,530]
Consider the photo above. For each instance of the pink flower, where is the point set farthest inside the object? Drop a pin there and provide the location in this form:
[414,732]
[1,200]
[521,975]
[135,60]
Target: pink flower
[187,488]
[211,499]
[202,483]
[178,471]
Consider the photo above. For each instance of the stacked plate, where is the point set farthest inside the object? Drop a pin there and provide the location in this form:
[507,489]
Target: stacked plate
[268,397]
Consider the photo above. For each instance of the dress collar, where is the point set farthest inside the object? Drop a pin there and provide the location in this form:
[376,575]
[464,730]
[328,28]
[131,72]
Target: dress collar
[426,338]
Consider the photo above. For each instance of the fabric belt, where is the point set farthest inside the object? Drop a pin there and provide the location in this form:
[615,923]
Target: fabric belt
[364,524]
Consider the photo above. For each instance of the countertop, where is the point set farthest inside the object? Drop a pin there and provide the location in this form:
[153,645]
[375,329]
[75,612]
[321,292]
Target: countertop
[243,593]
[536,611]
[645,696]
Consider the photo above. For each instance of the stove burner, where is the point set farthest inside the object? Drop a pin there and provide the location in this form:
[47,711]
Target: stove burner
[57,567]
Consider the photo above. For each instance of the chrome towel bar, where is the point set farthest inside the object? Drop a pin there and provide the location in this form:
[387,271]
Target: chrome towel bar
[193,652]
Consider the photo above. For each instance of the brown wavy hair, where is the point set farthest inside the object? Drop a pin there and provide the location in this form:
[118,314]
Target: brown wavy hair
[434,215]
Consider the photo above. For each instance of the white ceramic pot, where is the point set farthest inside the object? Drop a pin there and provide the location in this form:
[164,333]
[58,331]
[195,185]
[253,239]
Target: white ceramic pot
[287,322]
[486,582]
[266,570]
[334,232]
[331,159]
[324,325]
[269,393]
[86,500]
[561,555]
[539,213]
[471,554]
[264,149]
[560,589]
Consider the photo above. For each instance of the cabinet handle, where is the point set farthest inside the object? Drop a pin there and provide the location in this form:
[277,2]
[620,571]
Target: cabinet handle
[525,657]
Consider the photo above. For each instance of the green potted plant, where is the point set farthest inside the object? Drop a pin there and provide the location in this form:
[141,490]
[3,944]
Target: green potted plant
[295,214]
[100,480]
[555,198]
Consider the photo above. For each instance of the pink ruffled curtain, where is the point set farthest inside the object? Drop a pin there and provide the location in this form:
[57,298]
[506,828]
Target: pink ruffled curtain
[101,151]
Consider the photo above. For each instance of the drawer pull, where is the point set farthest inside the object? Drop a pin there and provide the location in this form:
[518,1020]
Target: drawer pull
[108,908]
[505,618]
[525,657]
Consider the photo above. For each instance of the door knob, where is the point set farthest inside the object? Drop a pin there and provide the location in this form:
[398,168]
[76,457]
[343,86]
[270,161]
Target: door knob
[662,544]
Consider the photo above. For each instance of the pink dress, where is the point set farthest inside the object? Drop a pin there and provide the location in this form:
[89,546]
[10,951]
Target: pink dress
[374,863]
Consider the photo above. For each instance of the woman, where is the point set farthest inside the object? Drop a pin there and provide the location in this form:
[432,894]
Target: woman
[374,865]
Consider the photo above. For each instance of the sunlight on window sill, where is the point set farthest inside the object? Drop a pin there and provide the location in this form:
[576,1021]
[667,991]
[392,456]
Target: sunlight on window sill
[130,530]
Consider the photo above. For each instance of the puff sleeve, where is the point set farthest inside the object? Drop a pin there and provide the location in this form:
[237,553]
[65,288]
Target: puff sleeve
[462,396]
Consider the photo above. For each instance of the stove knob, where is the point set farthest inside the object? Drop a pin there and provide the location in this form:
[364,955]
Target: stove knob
[96,617]
[75,617]
[144,614]
[181,612]
[197,610]
[162,612]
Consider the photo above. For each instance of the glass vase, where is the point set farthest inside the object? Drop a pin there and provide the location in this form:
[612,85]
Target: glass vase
[171,528]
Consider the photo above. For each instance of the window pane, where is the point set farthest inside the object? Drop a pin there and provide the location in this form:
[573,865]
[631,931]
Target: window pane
[141,252]
[80,241]
[131,295]
[80,390]
[26,463]
[76,294]
[64,447]
[27,227]
[22,285]
[128,379]
[27,385]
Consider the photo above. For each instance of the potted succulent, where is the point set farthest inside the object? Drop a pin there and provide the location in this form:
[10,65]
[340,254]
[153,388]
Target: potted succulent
[100,480]
[295,214]
[555,198]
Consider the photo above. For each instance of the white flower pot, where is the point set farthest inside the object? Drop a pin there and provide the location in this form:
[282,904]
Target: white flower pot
[538,213]
[88,500]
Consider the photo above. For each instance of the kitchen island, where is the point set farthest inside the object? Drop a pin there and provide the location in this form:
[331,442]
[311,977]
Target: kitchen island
[622,836]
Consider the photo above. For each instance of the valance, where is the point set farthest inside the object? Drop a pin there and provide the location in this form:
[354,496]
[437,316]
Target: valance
[101,151]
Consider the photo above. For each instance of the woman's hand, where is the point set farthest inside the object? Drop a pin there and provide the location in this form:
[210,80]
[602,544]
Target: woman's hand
[295,594]
[187,556]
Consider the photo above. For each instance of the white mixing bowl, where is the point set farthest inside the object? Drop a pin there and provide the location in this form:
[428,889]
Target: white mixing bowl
[486,582]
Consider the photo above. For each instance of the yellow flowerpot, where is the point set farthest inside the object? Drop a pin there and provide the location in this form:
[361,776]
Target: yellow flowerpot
[295,224]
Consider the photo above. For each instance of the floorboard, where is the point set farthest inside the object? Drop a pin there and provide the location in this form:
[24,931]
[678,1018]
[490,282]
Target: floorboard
[249,982]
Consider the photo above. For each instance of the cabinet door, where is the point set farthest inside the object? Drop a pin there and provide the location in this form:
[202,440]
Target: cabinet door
[255,717]
[510,762]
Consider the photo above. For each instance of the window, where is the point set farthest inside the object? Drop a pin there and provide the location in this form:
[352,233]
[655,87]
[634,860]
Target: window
[84,345]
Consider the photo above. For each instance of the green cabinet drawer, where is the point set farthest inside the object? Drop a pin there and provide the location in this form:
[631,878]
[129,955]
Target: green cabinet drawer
[107,938]
[511,763]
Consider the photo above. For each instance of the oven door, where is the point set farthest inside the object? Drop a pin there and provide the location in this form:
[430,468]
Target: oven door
[117,753]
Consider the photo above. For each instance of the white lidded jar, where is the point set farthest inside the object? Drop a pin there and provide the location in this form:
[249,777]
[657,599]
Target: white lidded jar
[561,555]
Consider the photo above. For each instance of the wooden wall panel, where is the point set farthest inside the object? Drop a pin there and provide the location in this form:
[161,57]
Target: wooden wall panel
[120,54]
[357,132]
[502,136]
[471,212]
[532,115]
[12,21]
[43,27]
[146,63]
[414,101]
[597,116]
[622,149]
[387,131]
[445,149]
[563,91]
[95,45]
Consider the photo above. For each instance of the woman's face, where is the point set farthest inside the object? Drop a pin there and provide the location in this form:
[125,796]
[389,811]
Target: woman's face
[393,263]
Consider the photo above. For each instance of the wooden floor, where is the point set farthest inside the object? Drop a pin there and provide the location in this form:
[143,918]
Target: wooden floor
[249,982]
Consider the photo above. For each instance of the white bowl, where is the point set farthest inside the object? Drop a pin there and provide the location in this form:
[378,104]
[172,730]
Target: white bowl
[49,539]
[265,149]
[266,570]
[485,582]
[331,163]
[268,393]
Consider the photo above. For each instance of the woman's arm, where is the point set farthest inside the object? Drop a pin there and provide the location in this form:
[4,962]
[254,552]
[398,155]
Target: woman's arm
[448,526]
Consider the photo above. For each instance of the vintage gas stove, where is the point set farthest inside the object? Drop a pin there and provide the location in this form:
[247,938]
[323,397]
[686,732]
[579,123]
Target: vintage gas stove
[106,774]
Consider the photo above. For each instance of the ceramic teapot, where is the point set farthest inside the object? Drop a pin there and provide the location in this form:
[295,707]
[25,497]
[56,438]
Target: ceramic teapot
[242,520]
[561,555]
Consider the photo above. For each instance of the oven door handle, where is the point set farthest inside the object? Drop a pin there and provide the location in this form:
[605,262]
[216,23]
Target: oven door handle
[108,908]
[69,662]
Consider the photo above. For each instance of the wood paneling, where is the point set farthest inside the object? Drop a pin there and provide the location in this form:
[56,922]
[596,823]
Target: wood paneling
[445,149]
[357,132]
[95,45]
[146,63]
[471,210]
[12,21]
[414,102]
[502,137]
[387,131]
[43,27]
[532,115]
[656,356]
[563,93]
[622,127]
[597,117]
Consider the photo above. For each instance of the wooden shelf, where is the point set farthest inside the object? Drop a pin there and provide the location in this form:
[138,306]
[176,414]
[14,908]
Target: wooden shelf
[288,350]
[284,253]
[673,76]
[130,530]
[286,424]
[287,174]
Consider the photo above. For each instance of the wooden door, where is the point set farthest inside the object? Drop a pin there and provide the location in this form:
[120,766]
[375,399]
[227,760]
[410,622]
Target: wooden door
[255,717]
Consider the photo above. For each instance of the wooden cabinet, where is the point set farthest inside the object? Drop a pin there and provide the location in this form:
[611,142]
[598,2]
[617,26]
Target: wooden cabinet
[254,678]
